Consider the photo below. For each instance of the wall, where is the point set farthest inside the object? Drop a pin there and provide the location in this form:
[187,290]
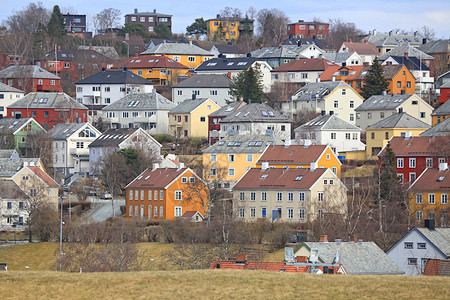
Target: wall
[6,99]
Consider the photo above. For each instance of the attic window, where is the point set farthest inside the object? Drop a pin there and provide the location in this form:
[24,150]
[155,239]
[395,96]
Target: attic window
[230,144]
[258,144]
[298,178]
[220,143]
[237,144]
[441,178]
[264,113]
[147,177]
[252,144]
[264,176]
[271,114]
[35,100]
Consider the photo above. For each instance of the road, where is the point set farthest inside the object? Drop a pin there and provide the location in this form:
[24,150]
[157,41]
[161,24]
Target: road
[103,210]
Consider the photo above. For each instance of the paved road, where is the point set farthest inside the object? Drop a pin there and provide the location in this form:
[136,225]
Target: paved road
[103,210]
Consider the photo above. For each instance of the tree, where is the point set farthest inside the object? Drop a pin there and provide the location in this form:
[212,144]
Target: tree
[272,25]
[247,85]
[198,28]
[163,32]
[55,26]
[341,31]
[107,18]
[135,29]
[26,21]
[40,41]
[228,15]
[374,82]
[427,33]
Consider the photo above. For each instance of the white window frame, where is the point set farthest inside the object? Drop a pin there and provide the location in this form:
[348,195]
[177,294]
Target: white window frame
[320,197]
[419,198]
[231,172]
[178,211]
[290,196]
[263,196]
[279,196]
[290,212]
[400,163]
[213,157]
[431,198]
[249,157]
[412,162]
[178,195]
[444,198]
[241,196]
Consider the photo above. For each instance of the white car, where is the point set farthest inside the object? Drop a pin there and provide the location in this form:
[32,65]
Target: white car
[106,195]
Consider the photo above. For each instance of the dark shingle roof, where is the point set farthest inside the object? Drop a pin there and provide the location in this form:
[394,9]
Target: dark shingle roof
[113,137]
[12,125]
[11,191]
[205,81]
[141,101]
[114,77]
[63,131]
[412,63]
[256,112]
[26,72]
[317,90]
[401,120]
[239,63]
[441,129]
[327,122]
[441,46]
[444,109]
[47,100]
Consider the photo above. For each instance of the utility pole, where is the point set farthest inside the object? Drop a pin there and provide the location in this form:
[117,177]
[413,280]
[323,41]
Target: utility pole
[60,234]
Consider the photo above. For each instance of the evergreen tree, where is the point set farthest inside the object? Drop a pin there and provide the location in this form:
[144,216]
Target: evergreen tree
[163,32]
[39,38]
[246,25]
[374,83]
[198,28]
[390,185]
[55,26]
[247,85]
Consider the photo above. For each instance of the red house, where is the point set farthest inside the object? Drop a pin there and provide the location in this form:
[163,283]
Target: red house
[215,117]
[445,93]
[49,109]
[310,30]
[30,78]
[414,154]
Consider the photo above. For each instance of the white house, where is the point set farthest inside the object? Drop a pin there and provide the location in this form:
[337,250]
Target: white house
[413,250]
[13,203]
[8,95]
[330,130]
[302,70]
[344,58]
[367,51]
[227,51]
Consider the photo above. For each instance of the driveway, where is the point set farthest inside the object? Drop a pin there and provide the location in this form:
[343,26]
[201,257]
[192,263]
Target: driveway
[103,210]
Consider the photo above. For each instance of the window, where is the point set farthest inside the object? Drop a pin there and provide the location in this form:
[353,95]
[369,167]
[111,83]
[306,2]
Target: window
[412,261]
[52,82]
[156,195]
[130,210]
[177,58]
[136,195]
[279,196]
[202,119]
[178,211]
[304,75]
[290,213]
[241,196]
[161,211]
[231,157]
[419,198]
[412,177]
[66,65]
[333,135]
[191,179]
[301,213]
[184,180]
[191,58]
[40,81]
[46,114]
[178,195]
[136,210]
[155,211]
[369,115]
[444,198]
[133,19]
[386,135]
[422,115]
[21,205]
[252,212]
[399,84]
[9,205]
[213,172]
[230,171]
[431,198]
[241,212]
[149,193]
[412,162]
[419,215]
[334,169]
[429,162]
[139,72]
[421,246]
[347,136]
[263,196]
[130,196]
[352,104]
[409,245]
[301,196]
[408,84]
[252,196]
[336,104]
[320,196]
[400,162]
[213,93]
[441,160]
[290,196]
[249,157]
[352,117]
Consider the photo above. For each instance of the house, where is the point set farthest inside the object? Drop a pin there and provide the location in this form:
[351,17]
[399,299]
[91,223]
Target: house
[302,70]
[416,153]
[188,119]
[215,118]
[148,111]
[10,59]
[440,50]
[322,44]
[106,87]
[13,204]
[23,133]
[288,195]
[30,79]
[301,156]
[429,196]
[379,107]
[165,194]
[8,95]
[232,66]
[224,28]
[48,109]
[330,130]
[444,92]
[150,20]
[408,51]
[326,98]
[75,25]
[214,86]
[228,159]
[344,58]
[188,55]
[256,118]
[277,56]
[192,215]
[440,129]
[437,267]
[114,140]
[367,51]
[386,42]
[442,112]
[358,258]
[226,51]
[397,125]
[413,250]
[70,147]
[345,73]
[160,70]
[310,30]
[11,163]
[170,161]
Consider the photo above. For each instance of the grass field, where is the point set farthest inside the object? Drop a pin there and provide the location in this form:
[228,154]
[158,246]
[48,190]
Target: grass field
[217,284]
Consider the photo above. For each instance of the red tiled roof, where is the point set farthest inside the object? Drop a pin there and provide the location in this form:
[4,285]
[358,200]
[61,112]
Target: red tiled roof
[294,154]
[432,180]
[158,178]
[304,64]
[44,176]
[189,214]
[328,73]
[280,178]
[362,48]
[150,62]
[419,146]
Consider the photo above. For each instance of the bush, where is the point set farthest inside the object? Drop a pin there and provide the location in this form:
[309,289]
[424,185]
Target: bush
[164,138]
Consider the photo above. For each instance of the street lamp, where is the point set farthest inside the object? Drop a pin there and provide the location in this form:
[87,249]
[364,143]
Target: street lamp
[153,261]
[60,234]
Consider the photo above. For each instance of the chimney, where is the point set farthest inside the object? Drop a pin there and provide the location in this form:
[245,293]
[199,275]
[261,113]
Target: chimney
[338,241]
[366,41]
[194,96]
[351,41]
[287,143]
[302,259]
[301,21]
[265,165]
[313,166]
[323,239]
[408,135]
[318,80]
[103,69]
[391,32]
[443,167]
[384,93]
[155,166]
[355,239]
[181,165]
[360,242]
[374,32]
[240,258]
[406,54]
[307,143]
[218,16]
[135,10]
[154,11]
[344,64]
[429,223]
[333,79]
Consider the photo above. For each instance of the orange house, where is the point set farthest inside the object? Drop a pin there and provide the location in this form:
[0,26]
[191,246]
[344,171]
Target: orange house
[344,73]
[165,194]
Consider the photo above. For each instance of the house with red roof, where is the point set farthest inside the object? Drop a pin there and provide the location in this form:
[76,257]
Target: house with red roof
[367,51]
[301,70]
[345,73]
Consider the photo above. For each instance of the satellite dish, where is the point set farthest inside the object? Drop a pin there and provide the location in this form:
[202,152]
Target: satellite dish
[314,255]
[289,254]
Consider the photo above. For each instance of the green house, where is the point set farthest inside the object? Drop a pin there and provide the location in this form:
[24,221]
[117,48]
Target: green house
[20,134]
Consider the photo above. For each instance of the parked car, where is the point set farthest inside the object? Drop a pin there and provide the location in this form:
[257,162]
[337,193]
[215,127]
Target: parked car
[105,195]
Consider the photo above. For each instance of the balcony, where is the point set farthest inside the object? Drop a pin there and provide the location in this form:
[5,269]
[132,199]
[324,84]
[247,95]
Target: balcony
[79,151]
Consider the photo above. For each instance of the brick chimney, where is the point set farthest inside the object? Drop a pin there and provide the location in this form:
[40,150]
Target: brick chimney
[323,239]
[241,258]
[302,259]
[406,54]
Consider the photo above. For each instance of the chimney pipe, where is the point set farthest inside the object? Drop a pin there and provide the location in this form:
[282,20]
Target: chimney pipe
[323,239]
[265,166]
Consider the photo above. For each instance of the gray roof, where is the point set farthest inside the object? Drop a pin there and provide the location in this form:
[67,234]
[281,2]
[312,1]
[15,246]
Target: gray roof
[401,120]
[441,129]
[114,77]
[317,90]
[4,88]
[445,85]
[47,100]
[205,81]
[444,109]
[228,109]
[337,57]
[148,13]
[228,49]
[9,153]
[112,137]
[228,64]
[27,71]
[440,237]
[141,101]
[357,258]
[63,131]
[256,113]
[9,167]
[279,52]
[383,102]
[327,122]
[11,191]
[250,143]
[392,39]
[187,106]
[12,125]
[177,48]
[402,49]
[441,46]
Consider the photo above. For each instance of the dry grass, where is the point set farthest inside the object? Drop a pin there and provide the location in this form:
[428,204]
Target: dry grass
[362,171]
[217,284]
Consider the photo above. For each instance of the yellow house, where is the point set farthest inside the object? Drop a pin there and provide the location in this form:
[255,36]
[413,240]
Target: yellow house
[301,156]
[225,29]
[229,159]
[186,54]
[440,114]
[190,118]
[381,132]
[429,196]
[161,70]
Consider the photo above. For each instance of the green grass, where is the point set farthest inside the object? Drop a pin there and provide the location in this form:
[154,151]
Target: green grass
[217,284]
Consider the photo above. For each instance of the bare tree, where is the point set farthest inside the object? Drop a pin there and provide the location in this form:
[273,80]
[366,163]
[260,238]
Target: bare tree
[341,31]
[26,21]
[108,18]
[272,26]
[427,33]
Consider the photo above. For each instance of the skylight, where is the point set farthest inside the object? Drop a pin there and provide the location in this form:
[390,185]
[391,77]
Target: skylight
[220,143]
[242,63]
[238,114]
[246,114]
[237,144]
[264,113]
[252,144]
[258,144]
[440,178]
[271,113]
[147,177]
[264,176]
[298,178]
[230,144]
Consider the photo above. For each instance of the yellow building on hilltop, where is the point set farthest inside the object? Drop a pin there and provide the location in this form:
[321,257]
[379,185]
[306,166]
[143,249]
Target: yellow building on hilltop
[228,28]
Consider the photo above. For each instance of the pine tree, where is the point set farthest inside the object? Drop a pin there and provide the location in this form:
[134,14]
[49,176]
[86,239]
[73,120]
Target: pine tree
[55,26]
[374,83]
[39,41]
[247,85]
[390,185]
